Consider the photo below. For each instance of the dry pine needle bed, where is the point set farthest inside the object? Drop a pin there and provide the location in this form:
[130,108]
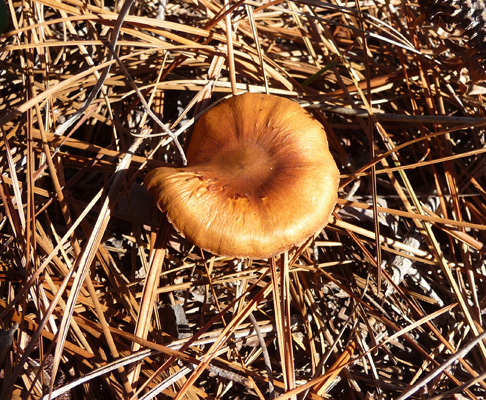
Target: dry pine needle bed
[101,297]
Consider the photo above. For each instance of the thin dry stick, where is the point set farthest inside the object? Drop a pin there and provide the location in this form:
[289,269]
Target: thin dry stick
[174,377]
[147,108]
[266,357]
[446,364]
[114,38]
[468,384]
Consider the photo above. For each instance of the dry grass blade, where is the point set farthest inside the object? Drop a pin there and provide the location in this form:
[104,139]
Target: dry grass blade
[111,302]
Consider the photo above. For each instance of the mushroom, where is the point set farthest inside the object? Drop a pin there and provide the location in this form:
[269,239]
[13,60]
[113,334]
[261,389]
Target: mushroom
[259,180]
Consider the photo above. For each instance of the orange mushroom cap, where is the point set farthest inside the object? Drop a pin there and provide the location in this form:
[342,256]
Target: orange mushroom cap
[260,179]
